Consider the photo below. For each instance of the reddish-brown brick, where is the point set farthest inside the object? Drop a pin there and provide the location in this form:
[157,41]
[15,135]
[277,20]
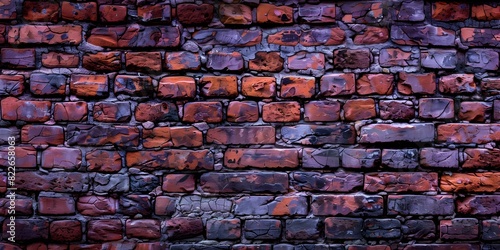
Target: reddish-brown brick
[372,35]
[112,111]
[397,57]
[272,14]
[171,159]
[191,14]
[18,58]
[261,158]
[281,112]
[219,86]
[481,158]
[155,13]
[410,83]
[337,84]
[27,230]
[468,133]
[210,112]
[359,109]
[485,12]
[378,84]
[70,111]
[470,182]
[172,137]
[317,37]
[457,84]
[37,11]
[179,183]
[222,61]
[86,11]
[266,61]
[112,13]
[46,34]
[306,134]
[14,109]
[60,60]
[183,60]
[62,182]
[98,135]
[87,86]
[12,85]
[479,37]
[59,157]
[25,157]
[352,58]
[42,135]
[446,11]
[258,86]
[401,182]
[103,61]
[134,85]
[298,86]
[183,227]
[177,87]
[322,111]
[436,108]
[156,112]
[242,135]
[143,61]
[396,110]
[242,111]
[351,205]
[56,205]
[244,182]
[48,84]
[235,14]
[459,229]
[306,61]
[474,111]
[135,35]
[143,229]
[105,230]
[164,205]
[96,205]
[322,13]
[103,161]
[66,230]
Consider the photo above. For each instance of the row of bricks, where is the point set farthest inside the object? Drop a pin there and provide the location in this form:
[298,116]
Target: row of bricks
[262,182]
[109,161]
[302,134]
[335,228]
[241,14]
[475,60]
[13,109]
[229,86]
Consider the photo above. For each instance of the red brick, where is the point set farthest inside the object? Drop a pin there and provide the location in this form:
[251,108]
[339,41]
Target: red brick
[396,110]
[352,58]
[470,182]
[335,84]
[228,37]
[155,13]
[172,137]
[258,86]
[272,14]
[397,132]
[112,111]
[28,230]
[420,205]
[170,159]
[60,60]
[468,133]
[104,230]
[351,205]
[182,61]
[46,34]
[143,229]
[219,86]
[327,182]
[14,109]
[242,135]
[446,11]
[58,157]
[191,14]
[183,227]
[86,11]
[179,183]
[103,61]
[401,182]
[66,230]
[410,83]
[12,85]
[18,58]
[496,110]
[359,109]
[210,112]
[37,11]
[457,84]
[306,134]
[177,87]
[479,37]
[223,229]
[322,111]
[96,205]
[344,228]
[367,12]
[103,161]
[242,111]
[474,111]
[378,84]
[485,12]
[372,35]
[481,158]
[490,86]
[439,58]
[306,61]
[48,85]
[436,108]
[281,112]
[156,112]
[56,205]
[25,157]
[285,37]
[422,35]
[147,62]
[135,36]
[266,61]
[479,205]
[64,182]
[357,158]
[459,229]
[298,86]
[112,13]
[235,14]
[134,85]
[322,13]
[70,111]
[98,135]
[222,61]
[397,57]
[89,85]
[42,135]
[261,158]
[244,182]
[327,37]
[164,205]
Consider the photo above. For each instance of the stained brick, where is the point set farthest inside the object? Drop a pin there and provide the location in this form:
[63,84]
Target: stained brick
[372,35]
[336,182]
[419,229]
[103,61]
[172,137]
[397,110]
[397,132]
[14,109]
[191,14]
[322,13]
[272,14]
[59,157]
[401,182]
[263,87]
[42,135]
[241,135]
[183,227]
[25,156]
[235,14]
[179,183]
[470,182]
[70,111]
[397,57]
[210,112]
[66,230]
[320,158]
[490,229]
[319,134]
[86,11]
[12,85]
[420,205]
[40,11]
[337,84]
[281,112]
[263,229]
[143,61]
[155,13]
[54,181]
[229,37]
[225,229]
[343,228]
[479,205]
[303,61]
[46,34]
[445,11]
[177,87]
[135,36]
[143,229]
[18,58]
[112,112]
[352,58]
[266,61]
[156,112]
[112,13]
[438,158]
[439,58]
[28,230]
[103,161]
[485,12]
[182,61]
[345,204]
[481,158]
[457,84]
[170,159]
[96,205]
[459,229]
[322,111]
[95,135]
[468,133]
[261,158]
[378,84]
[242,111]
[56,205]
[422,35]
[436,108]
[400,158]
[87,86]
[297,86]
[239,182]
[222,61]
[416,83]
[219,86]
[359,109]
[105,230]
[60,60]
[133,85]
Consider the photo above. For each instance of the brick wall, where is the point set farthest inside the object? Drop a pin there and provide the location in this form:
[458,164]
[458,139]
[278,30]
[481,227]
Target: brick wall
[359,125]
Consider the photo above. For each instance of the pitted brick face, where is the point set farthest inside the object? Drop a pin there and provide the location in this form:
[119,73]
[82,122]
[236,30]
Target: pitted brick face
[250,124]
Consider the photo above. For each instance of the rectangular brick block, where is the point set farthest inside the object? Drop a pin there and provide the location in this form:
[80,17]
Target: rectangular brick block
[65,230]
[263,229]
[102,61]
[42,135]
[172,137]
[302,229]
[242,135]
[63,158]
[56,205]
[135,36]
[96,205]
[170,159]
[400,158]
[269,205]
[319,134]
[491,229]
[470,182]
[103,161]
[228,37]
[105,230]
[143,62]
[46,34]
[468,133]
[459,229]
[28,230]
[397,132]
[345,204]
[263,182]
[70,111]
[281,112]
[156,112]
[479,37]
[422,35]
[12,85]
[261,158]
[481,158]
[99,135]
[14,109]
[382,228]
[343,228]
[401,182]
[25,156]
[327,182]
[112,111]
[60,60]
[320,158]
[420,205]
[438,158]
[18,58]
[322,13]
[56,181]
[143,229]
[87,86]
[48,84]
[360,158]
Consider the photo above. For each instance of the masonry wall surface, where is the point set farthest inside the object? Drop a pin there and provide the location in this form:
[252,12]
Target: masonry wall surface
[245,124]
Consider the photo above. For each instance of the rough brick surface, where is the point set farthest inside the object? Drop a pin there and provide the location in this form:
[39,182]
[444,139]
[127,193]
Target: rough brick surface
[250,124]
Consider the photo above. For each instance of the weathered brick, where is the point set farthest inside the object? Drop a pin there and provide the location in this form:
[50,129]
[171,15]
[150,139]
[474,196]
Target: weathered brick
[266,61]
[222,61]
[25,156]
[436,108]
[96,135]
[474,111]
[66,230]
[343,228]
[419,229]
[360,158]
[422,35]
[103,161]
[446,11]
[60,60]
[172,137]
[397,57]
[359,109]
[242,111]
[285,37]
[481,158]
[164,205]
[482,59]
[177,87]
[87,86]
[459,229]
[468,133]
[55,181]
[103,61]
[269,205]
[496,110]
[18,58]
[302,229]
[281,112]
[36,11]
[179,183]
[56,205]
[219,86]
[352,58]
[272,14]
[400,158]
[322,36]
[439,58]
[147,62]
[263,229]
[319,134]
[258,86]
[322,13]
[96,205]
[298,86]
[420,205]
[191,14]
[457,84]
[196,204]
[485,12]
[490,86]
[183,227]
[12,85]
[210,112]
[86,11]
[170,159]
[42,135]
[229,37]
[112,112]
[438,158]
[182,61]
[235,14]
[401,182]
[398,110]
[46,34]
[397,132]
[242,135]
[416,83]
[28,230]
[105,230]
[382,228]
[336,182]
[239,182]
[320,158]
[470,182]
[111,183]
[337,84]
[160,12]
[59,157]
[156,112]
[112,13]
[479,205]
[143,229]
[305,61]
[48,85]
[344,204]
[441,246]
[261,158]
[70,111]
[14,109]
[378,84]
[372,35]
[224,229]
[135,36]
[134,85]
[491,229]
[321,111]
